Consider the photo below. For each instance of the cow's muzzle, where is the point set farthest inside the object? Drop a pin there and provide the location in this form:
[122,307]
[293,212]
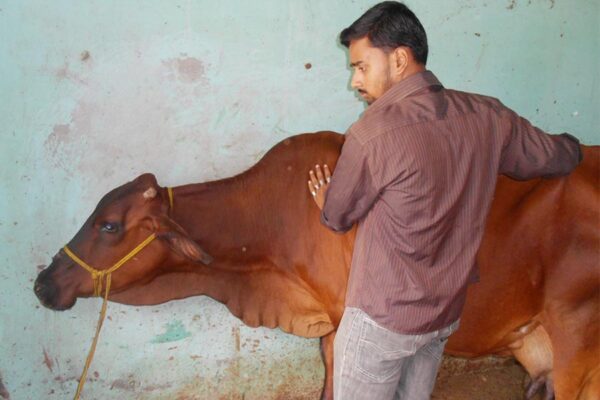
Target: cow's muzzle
[48,293]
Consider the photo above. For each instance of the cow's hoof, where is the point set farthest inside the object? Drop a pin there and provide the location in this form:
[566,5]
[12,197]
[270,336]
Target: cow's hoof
[542,384]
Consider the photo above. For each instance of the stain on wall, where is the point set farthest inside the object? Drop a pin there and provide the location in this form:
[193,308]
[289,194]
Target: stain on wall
[48,361]
[174,331]
[57,139]
[514,3]
[186,69]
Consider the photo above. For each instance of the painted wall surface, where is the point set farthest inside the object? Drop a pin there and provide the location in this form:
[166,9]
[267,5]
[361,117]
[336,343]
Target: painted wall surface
[94,93]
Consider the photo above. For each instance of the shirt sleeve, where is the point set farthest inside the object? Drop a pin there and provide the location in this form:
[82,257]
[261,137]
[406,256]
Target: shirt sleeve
[530,153]
[352,191]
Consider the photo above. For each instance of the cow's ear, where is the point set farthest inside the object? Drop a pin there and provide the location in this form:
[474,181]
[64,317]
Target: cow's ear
[186,247]
[169,231]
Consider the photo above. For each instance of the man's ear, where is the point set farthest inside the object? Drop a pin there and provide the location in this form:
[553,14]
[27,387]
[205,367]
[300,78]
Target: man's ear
[401,58]
[178,239]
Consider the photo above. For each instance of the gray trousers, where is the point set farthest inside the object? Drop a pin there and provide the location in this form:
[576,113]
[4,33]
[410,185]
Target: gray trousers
[374,363]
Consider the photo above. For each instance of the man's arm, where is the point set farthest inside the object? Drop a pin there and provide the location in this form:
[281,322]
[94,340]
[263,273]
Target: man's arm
[530,153]
[352,190]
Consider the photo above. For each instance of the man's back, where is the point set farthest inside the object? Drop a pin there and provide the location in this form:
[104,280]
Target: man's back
[431,157]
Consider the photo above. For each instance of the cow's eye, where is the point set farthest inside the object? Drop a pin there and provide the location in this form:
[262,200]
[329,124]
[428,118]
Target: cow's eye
[109,227]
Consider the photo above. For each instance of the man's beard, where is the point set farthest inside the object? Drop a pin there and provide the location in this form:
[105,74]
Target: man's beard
[368,98]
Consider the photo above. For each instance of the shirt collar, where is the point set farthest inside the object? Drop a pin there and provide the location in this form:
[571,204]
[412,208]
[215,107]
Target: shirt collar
[405,88]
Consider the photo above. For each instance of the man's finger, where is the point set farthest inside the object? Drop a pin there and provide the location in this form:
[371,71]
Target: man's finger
[314,179]
[327,173]
[320,176]
[311,189]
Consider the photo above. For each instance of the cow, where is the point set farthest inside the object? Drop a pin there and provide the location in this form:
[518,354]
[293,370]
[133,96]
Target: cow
[255,243]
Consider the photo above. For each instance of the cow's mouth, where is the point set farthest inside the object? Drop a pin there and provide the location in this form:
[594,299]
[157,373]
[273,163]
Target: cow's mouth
[49,295]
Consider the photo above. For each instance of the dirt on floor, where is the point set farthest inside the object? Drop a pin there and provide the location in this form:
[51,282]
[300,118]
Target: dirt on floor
[487,378]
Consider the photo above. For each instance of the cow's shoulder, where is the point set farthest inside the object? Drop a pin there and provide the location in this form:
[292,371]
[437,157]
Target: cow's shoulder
[314,141]
[298,150]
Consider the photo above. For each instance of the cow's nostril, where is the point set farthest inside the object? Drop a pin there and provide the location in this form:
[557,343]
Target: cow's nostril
[38,289]
[41,290]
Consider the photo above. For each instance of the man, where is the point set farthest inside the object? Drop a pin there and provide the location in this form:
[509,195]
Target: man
[417,173]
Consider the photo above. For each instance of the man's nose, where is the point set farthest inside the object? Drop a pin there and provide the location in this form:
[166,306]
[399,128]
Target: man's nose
[355,82]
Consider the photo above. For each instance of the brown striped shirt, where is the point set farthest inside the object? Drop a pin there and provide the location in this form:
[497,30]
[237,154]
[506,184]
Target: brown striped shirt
[417,172]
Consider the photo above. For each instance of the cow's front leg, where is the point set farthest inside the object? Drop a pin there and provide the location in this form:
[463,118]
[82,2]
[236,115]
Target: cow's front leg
[327,354]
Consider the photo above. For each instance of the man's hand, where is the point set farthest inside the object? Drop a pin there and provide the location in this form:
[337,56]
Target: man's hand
[318,184]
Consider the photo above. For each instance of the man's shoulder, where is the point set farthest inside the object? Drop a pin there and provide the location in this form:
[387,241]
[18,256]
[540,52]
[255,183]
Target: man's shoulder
[476,102]
[376,123]
[366,128]
[447,103]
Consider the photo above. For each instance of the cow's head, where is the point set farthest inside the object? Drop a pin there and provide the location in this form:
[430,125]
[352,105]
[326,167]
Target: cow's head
[123,219]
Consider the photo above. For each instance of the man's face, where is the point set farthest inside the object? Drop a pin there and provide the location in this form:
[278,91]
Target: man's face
[371,75]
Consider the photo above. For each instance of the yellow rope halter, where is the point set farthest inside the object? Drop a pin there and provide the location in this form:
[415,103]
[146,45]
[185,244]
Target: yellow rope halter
[170,192]
[98,277]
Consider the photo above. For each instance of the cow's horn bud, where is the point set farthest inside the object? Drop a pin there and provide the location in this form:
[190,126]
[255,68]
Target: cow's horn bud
[150,193]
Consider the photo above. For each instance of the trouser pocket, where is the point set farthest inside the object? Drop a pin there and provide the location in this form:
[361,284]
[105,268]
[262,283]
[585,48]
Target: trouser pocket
[381,352]
[435,347]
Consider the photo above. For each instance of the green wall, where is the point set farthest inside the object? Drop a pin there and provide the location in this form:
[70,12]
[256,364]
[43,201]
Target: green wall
[94,93]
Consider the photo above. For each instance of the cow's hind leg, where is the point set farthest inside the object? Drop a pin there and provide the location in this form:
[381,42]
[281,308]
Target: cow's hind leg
[327,354]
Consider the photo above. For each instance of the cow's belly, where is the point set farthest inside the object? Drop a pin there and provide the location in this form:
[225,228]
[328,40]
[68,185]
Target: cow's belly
[495,310]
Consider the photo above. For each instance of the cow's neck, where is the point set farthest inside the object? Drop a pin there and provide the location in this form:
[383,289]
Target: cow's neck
[232,218]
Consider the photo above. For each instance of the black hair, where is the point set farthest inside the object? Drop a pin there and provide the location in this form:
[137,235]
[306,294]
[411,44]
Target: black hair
[388,25]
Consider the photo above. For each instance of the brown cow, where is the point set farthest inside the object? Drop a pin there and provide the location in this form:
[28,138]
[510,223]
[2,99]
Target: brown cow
[275,265]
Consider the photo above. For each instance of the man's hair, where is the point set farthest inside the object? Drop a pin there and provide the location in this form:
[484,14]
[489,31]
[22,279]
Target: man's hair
[389,25]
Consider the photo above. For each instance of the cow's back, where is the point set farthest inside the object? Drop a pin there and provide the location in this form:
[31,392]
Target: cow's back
[540,252]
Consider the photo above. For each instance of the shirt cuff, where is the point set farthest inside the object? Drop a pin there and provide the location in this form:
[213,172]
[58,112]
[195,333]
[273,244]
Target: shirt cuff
[336,228]
[576,141]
